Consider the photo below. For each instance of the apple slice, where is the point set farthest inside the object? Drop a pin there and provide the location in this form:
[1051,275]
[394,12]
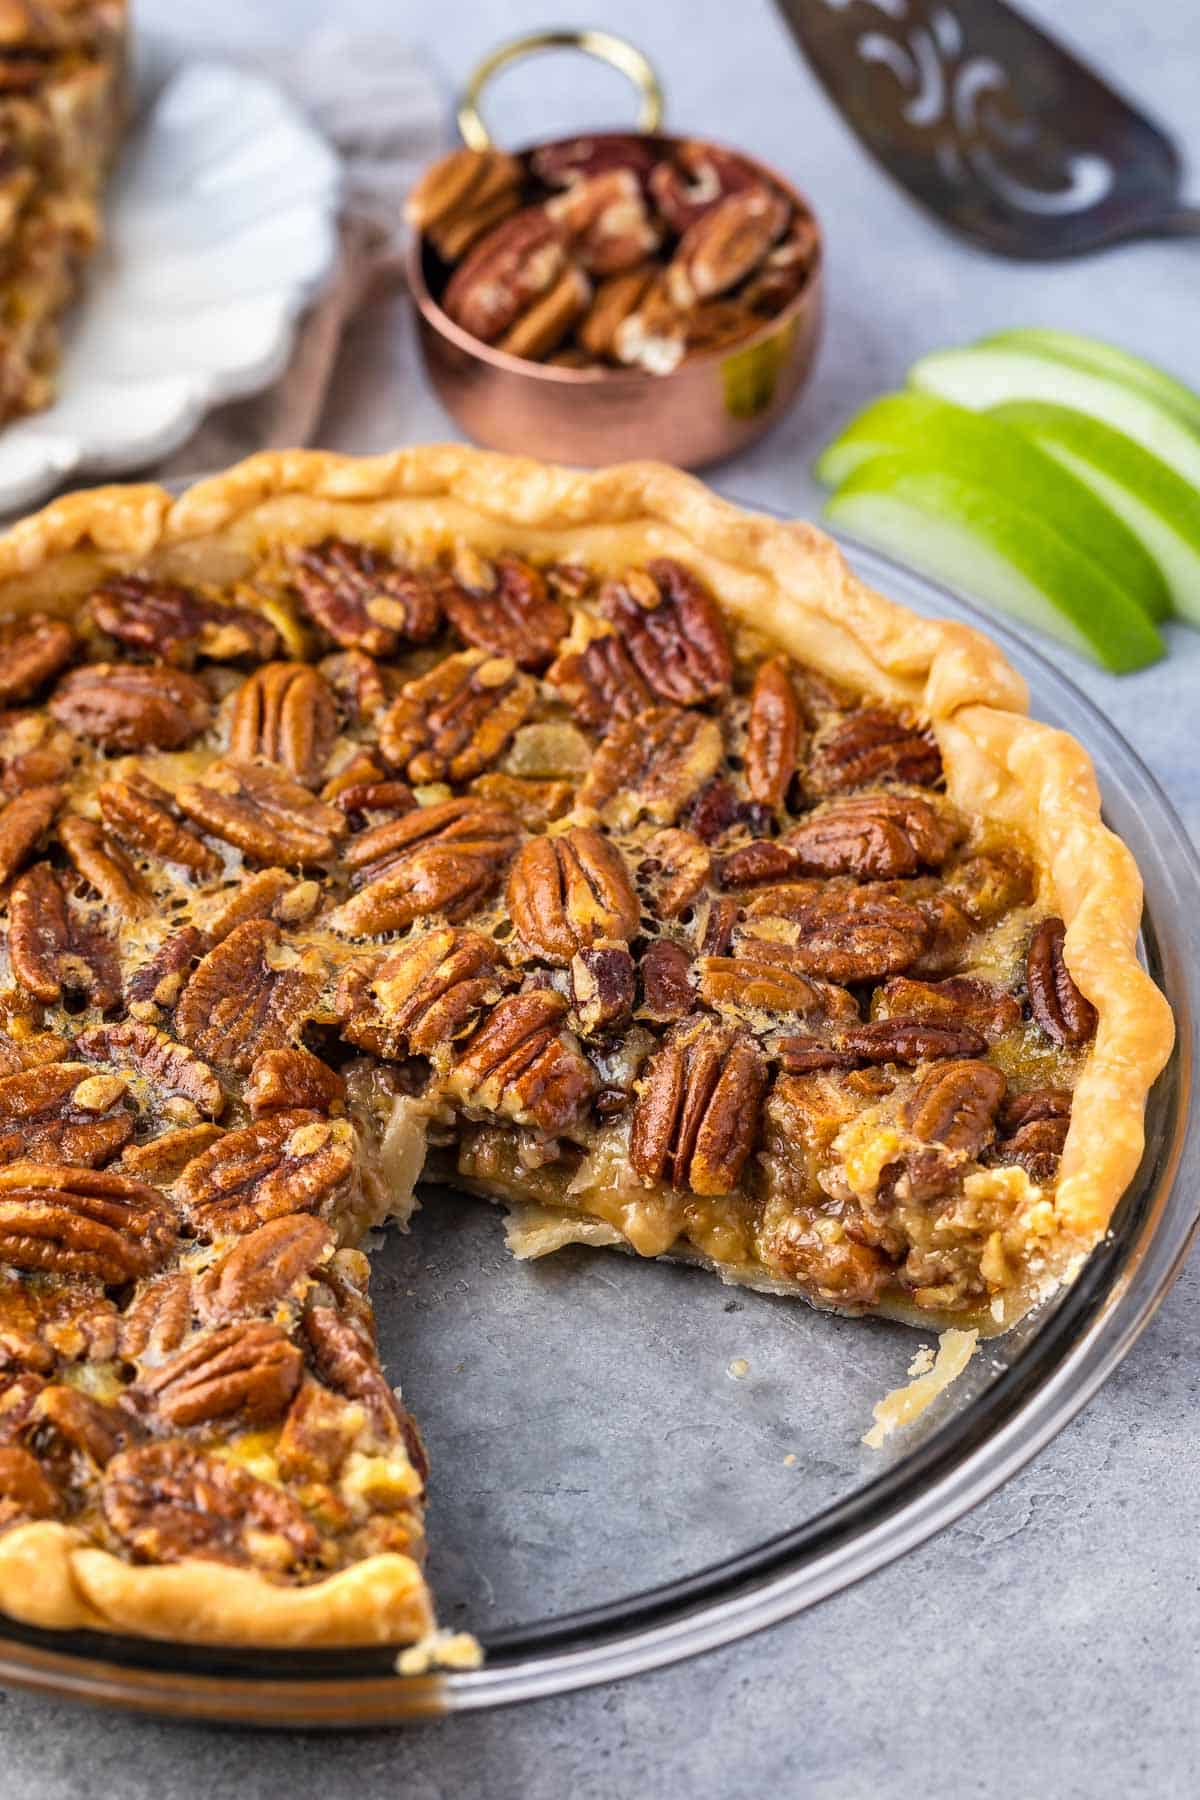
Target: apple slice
[988,453]
[1104,359]
[1163,510]
[985,377]
[966,534]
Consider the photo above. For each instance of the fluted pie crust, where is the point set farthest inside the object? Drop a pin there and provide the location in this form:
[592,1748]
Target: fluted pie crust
[789,586]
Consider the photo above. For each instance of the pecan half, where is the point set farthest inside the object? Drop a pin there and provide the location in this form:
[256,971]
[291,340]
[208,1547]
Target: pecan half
[251,993]
[852,934]
[159,1318]
[288,1162]
[167,1067]
[345,1359]
[952,1111]
[652,766]
[569,160]
[175,624]
[667,978]
[603,988]
[522,1062]
[376,800]
[725,244]
[249,1371]
[285,712]
[23,822]
[363,599]
[103,867]
[461,196]
[53,951]
[72,1221]
[960,1001]
[26,1491]
[63,1113]
[120,706]
[607,222]
[536,803]
[1063,1013]
[896,1040]
[31,651]
[319,1433]
[293,1077]
[569,892]
[614,300]
[141,814]
[868,747]
[357,682]
[694,178]
[696,1117]
[263,813]
[34,752]
[1033,1131]
[673,631]
[65,1424]
[169,1502]
[770,977]
[458,719]
[773,734]
[505,607]
[432,992]
[153,989]
[596,675]
[263,1268]
[446,858]
[873,836]
[512,266]
[991,884]
[267,894]
[674,868]
[163,1159]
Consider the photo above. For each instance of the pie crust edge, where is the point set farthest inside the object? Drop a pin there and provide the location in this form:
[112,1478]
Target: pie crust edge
[790,583]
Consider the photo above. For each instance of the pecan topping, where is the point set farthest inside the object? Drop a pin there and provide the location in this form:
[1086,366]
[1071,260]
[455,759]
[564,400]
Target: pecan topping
[72,1221]
[447,858]
[63,1112]
[376,800]
[535,803]
[293,1077]
[318,1434]
[896,1040]
[457,720]
[357,683]
[569,892]
[674,868]
[252,992]
[174,624]
[31,651]
[667,988]
[523,1063]
[871,836]
[517,262]
[288,1162]
[263,812]
[1033,1131]
[605,217]
[603,987]
[870,746]
[989,885]
[717,810]
[26,1491]
[23,822]
[505,608]
[725,244]
[695,178]
[696,1118]
[163,1159]
[169,1502]
[126,707]
[284,712]
[263,1268]
[74,1422]
[652,766]
[165,1065]
[363,599]
[34,752]
[267,894]
[103,867]
[852,934]
[1063,1013]
[140,813]
[159,1318]
[345,1358]
[961,1001]
[770,977]
[596,675]
[773,734]
[673,631]
[157,985]
[430,993]
[952,1112]
[247,1370]
[53,951]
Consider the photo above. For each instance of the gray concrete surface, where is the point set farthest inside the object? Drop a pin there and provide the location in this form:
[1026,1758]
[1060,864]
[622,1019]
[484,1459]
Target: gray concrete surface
[1046,1645]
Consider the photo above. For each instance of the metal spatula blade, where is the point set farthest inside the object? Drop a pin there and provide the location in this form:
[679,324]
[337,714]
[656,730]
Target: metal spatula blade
[993,126]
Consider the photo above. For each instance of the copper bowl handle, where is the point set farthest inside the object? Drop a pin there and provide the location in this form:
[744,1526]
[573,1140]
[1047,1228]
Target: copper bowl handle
[603,45]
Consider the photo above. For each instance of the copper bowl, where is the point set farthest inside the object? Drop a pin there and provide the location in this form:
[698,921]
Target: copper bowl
[713,405]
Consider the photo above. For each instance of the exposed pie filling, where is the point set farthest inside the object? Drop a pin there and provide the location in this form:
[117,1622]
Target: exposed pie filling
[374,854]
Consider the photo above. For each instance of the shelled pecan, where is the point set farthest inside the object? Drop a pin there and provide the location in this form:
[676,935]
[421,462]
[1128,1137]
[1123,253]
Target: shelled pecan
[696,1117]
[174,624]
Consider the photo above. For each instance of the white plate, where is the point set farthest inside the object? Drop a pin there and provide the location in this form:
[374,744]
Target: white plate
[220,223]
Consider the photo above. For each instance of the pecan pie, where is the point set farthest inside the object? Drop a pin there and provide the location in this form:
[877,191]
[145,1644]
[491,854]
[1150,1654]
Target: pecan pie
[576,840]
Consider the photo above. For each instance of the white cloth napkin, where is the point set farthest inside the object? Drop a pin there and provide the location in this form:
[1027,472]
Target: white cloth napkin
[380,106]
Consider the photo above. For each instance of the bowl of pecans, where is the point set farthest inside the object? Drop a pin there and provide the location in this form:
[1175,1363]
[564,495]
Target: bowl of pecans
[615,293]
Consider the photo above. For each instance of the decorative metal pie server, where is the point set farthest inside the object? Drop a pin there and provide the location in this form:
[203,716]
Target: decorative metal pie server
[992,125]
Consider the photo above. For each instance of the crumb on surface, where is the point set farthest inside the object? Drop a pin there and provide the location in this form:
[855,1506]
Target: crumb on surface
[904,1404]
[441,1649]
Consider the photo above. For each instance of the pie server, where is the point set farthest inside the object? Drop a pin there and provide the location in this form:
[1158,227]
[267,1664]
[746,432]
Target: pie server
[992,125]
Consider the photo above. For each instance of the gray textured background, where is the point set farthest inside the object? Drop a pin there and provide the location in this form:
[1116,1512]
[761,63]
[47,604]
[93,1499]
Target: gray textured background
[1046,1645]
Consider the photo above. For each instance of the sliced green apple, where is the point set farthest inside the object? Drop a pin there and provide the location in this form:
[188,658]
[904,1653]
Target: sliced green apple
[984,377]
[967,535]
[1163,510]
[1104,359]
[987,452]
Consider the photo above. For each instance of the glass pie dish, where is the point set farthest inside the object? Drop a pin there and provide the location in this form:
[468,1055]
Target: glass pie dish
[634,1465]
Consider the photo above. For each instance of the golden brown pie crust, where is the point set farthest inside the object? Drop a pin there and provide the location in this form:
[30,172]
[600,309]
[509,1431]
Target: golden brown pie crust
[790,583]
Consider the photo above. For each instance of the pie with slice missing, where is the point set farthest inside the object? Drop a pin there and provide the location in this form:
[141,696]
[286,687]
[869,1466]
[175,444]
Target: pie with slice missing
[577,840]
